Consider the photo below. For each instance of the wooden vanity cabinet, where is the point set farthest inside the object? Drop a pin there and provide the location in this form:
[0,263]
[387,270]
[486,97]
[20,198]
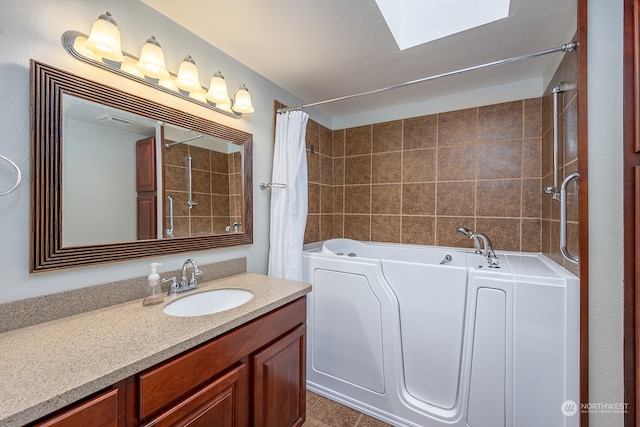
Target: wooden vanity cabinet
[253,375]
[221,403]
[279,392]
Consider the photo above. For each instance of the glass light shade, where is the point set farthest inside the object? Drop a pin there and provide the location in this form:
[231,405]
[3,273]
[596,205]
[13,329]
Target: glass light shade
[129,66]
[104,39]
[224,105]
[242,100]
[151,62]
[79,46]
[218,90]
[168,83]
[188,78]
[198,95]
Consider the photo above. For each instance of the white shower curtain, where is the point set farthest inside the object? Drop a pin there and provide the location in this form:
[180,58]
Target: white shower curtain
[288,205]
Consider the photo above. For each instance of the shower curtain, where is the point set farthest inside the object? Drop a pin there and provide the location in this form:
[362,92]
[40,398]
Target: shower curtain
[288,205]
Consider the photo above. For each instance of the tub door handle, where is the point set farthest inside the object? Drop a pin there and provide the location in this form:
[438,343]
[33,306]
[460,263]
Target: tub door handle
[563,219]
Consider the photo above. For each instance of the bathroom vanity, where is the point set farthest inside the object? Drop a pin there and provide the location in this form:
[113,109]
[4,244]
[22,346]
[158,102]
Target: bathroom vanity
[130,365]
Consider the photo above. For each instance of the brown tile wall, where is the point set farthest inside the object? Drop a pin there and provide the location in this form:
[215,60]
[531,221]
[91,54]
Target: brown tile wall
[216,188]
[415,180]
[568,162]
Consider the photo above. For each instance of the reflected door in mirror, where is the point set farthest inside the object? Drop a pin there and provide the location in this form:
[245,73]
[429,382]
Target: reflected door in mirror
[146,188]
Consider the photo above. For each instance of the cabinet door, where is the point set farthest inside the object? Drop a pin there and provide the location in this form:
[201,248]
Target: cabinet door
[279,382]
[146,165]
[146,225]
[100,411]
[222,403]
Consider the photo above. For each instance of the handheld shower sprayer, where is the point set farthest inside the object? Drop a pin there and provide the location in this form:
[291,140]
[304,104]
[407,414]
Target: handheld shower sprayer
[464,231]
[472,235]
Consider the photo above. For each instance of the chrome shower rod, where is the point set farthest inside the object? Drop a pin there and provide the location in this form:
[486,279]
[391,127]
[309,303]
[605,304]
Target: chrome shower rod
[183,141]
[568,47]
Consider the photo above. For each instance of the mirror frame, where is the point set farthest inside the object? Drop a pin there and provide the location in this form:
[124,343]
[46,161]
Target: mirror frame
[48,85]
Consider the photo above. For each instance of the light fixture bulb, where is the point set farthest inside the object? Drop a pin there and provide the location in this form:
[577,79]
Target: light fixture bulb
[104,39]
[218,93]
[188,78]
[242,100]
[151,62]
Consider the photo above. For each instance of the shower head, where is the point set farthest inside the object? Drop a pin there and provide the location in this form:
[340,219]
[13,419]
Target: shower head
[465,231]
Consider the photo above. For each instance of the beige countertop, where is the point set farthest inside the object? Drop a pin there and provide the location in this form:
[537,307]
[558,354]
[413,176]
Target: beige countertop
[48,366]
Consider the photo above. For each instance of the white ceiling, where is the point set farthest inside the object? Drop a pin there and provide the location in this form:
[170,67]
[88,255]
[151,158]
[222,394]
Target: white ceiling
[323,49]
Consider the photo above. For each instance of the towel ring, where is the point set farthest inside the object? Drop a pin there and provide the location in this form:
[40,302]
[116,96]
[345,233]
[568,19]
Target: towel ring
[18,180]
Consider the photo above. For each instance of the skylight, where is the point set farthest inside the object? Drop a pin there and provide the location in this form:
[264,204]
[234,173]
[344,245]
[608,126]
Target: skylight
[414,22]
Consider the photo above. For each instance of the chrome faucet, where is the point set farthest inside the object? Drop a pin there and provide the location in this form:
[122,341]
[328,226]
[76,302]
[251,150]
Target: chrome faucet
[192,283]
[470,234]
[186,284]
[492,258]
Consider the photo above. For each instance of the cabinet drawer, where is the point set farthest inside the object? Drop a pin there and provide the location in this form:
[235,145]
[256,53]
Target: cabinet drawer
[100,411]
[222,403]
[173,380]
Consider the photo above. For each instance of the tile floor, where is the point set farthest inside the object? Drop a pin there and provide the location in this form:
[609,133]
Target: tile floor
[322,412]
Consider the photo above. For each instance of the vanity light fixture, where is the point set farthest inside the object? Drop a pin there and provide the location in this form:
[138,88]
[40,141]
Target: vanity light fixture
[188,78]
[218,92]
[102,49]
[151,62]
[242,100]
[104,39]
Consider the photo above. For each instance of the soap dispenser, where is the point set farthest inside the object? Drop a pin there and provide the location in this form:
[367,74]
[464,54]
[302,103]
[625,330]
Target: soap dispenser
[154,282]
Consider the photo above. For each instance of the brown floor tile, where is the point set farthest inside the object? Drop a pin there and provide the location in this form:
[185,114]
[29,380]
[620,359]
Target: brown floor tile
[367,421]
[312,422]
[324,412]
[312,400]
[333,414]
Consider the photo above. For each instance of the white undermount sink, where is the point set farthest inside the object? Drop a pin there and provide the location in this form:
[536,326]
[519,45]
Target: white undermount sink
[208,302]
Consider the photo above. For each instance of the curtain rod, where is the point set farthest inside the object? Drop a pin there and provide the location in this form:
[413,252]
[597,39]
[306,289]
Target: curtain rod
[183,141]
[568,47]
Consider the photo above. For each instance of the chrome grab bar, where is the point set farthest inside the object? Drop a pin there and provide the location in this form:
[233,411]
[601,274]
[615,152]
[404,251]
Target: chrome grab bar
[553,190]
[563,219]
[191,203]
[170,229]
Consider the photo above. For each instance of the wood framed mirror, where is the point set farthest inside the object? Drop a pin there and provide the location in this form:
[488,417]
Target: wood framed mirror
[123,213]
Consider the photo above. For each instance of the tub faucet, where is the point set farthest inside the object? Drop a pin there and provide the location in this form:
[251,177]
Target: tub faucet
[492,258]
[470,234]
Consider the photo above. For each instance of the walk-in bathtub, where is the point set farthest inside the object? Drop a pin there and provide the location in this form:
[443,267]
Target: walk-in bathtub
[430,336]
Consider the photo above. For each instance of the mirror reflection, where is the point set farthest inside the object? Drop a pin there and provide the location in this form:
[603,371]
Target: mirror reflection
[126,177]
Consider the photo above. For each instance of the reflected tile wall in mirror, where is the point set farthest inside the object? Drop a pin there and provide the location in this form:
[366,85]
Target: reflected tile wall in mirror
[216,187]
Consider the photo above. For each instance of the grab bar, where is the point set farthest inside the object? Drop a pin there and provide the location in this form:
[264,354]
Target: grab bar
[170,229]
[191,203]
[553,190]
[270,185]
[563,219]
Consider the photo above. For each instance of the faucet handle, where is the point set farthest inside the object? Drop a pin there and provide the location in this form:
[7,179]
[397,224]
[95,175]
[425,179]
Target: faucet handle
[174,285]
